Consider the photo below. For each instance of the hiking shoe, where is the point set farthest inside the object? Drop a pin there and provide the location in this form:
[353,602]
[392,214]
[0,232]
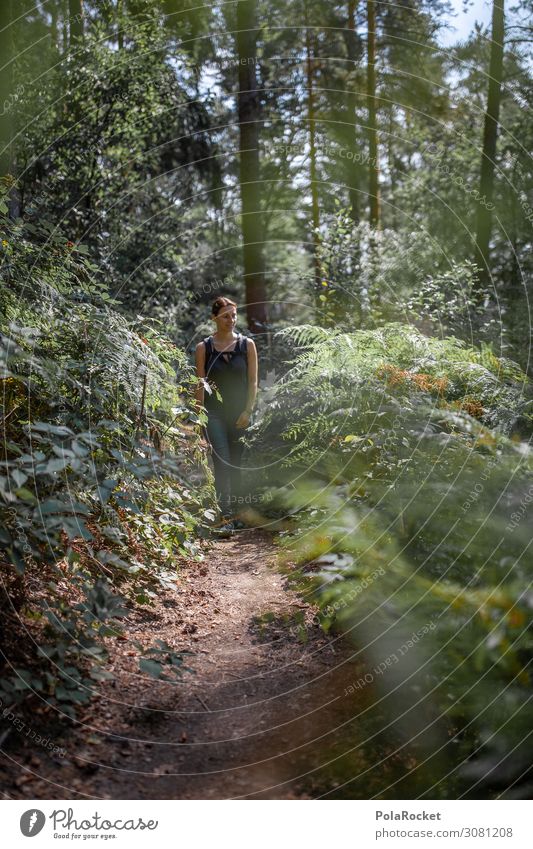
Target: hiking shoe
[224,530]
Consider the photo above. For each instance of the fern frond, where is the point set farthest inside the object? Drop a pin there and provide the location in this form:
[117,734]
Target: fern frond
[305,334]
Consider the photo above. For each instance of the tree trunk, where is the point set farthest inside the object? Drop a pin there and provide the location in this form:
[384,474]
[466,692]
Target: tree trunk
[7,101]
[351,105]
[64,27]
[515,288]
[373,166]
[75,12]
[54,33]
[120,22]
[490,137]
[391,206]
[250,177]
[315,210]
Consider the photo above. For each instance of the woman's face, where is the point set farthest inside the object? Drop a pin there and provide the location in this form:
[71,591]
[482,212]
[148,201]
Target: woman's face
[226,319]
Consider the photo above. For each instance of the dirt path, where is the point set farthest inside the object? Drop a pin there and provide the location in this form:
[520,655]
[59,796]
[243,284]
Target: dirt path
[256,719]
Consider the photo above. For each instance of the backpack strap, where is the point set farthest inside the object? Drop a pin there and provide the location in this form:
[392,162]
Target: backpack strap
[208,350]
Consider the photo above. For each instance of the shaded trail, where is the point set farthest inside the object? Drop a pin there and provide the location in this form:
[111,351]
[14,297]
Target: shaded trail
[256,719]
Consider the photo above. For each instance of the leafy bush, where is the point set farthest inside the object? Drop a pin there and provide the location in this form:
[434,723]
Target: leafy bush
[370,278]
[116,144]
[412,535]
[97,460]
[346,387]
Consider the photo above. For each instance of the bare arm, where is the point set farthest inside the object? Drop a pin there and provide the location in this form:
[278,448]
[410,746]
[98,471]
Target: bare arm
[252,376]
[200,372]
[244,418]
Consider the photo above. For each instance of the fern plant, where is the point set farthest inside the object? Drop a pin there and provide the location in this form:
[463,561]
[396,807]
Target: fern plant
[399,461]
[97,453]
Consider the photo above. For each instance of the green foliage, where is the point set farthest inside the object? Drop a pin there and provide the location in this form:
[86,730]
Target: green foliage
[355,383]
[162,662]
[371,278]
[96,457]
[118,145]
[408,520]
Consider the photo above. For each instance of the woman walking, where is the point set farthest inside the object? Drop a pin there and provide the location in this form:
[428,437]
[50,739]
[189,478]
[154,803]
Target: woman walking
[227,361]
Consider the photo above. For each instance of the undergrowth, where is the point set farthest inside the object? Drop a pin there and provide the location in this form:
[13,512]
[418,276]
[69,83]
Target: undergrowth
[102,487]
[403,483]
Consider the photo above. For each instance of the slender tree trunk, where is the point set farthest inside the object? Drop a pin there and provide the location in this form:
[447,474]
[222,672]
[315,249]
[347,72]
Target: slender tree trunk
[392,169]
[73,105]
[8,104]
[351,105]
[250,176]
[75,11]
[54,34]
[408,126]
[315,210]
[515,288]
[120,34]
[373,166]
[7,101]
[64,27]
[490,138]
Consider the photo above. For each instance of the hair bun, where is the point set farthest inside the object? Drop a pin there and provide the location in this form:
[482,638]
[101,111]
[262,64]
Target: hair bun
[220,302]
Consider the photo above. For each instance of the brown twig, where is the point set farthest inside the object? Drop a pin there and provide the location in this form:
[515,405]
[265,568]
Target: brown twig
[208,709]
[141,411]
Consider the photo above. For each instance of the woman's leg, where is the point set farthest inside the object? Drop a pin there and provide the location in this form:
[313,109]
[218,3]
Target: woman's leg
[236,448]
[217,433]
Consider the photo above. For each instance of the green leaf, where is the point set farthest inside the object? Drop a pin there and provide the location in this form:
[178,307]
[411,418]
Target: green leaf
[19,477]
[25,495]
[53,505]
[57,430]
[54,465]
[101,675]
[151,667]
[5,536]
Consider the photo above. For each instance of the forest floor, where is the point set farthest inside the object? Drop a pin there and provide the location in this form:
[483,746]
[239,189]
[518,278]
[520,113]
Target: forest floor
[261,715]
